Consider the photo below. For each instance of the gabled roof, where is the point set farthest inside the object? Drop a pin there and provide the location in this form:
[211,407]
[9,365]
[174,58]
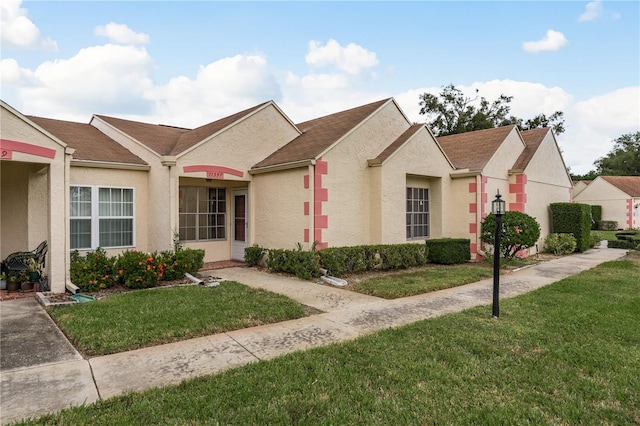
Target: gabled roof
[395,145]
[168,140]
[627,184]
[473,150]
[532,140]
[319,134]
[89,143]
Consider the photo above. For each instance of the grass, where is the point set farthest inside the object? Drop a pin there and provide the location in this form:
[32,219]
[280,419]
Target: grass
[607,235]
[564,354]
[149,317]
[425,280]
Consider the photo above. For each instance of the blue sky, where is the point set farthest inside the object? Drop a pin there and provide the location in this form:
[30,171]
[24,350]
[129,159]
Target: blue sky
[189,63]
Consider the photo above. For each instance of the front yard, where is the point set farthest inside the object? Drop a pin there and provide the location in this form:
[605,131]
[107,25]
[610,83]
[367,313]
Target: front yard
[564,354]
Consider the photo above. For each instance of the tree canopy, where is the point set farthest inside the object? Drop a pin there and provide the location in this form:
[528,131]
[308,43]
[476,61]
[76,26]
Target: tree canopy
[452,112]
[623,159]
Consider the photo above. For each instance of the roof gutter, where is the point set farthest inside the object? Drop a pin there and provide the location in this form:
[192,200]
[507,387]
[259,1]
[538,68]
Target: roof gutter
[463,173]
[283,166]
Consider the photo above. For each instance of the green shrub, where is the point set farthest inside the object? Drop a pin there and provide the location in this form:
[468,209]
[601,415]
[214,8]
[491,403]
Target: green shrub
[92,272]
[622,244]
[253,255]
[560,243]
[596,216]
[575,219]
[606,225]
[628,235]
[519,231]
[402,256]
[189,260]
[448,251]
[341,261]
[302,264]
[596,237]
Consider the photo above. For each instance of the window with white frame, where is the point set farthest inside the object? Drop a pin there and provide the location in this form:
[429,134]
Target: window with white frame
[101,217]
[417,213]
[203,213]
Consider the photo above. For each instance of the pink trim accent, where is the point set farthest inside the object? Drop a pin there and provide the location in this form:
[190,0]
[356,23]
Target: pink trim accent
[321,246]
[522,178]
[515,188]
[322,222]
[317,209]
[630,213]
[306,235]
[473,187]
[473,208]
[516,207]
[474,248]
[306,181]
[306,208]
[322,167]
[212,171]
[8,146]
[317,181]
[317,234]
[484,198]
[473,228]
[484,179]
[321,194]
[521,198]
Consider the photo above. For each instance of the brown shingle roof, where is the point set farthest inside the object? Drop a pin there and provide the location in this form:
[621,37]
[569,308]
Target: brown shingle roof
[473,150]
[395,145]
[627,184]
[319,134]
[89,143]
[532,140]
[168,140]
[159,138]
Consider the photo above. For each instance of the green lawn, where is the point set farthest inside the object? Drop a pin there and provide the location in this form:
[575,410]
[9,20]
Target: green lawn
[567,353]
[423,281]
[150,317]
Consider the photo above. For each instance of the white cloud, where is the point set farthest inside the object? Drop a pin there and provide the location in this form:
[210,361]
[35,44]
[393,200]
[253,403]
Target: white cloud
[120,33]
[351,59]
[591,11]
[100,79]
[553,40]
[221,88]
[19,32]
[12,74]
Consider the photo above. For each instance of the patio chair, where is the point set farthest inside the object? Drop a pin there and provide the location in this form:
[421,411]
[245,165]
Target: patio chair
[19,261]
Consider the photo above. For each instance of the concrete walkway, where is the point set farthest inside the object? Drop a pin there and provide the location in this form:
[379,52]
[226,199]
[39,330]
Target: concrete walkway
[68,380]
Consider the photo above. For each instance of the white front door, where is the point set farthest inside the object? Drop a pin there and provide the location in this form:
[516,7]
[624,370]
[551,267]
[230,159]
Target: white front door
[240,231]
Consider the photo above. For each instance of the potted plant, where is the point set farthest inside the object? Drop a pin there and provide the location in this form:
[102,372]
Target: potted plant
[13,281]
[34,270]
[3,281]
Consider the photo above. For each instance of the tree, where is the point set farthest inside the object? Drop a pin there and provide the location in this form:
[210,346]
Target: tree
[452,112]
[519,231]
[623,159]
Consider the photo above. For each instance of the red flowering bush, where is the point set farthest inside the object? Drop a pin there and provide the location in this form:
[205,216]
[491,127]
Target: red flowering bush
[92,272]
[136,269]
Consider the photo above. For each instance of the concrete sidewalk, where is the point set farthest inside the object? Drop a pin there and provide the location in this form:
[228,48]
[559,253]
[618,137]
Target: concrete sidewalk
[38,389]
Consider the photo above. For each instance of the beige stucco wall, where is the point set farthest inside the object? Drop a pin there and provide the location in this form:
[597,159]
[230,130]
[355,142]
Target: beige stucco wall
[277,208]
[418,163]
[613,202]
[33,197]
[349,180]
[547,182]
[118,178]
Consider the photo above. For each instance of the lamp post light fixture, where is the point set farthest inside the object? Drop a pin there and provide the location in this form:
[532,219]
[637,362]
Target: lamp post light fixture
[498,208]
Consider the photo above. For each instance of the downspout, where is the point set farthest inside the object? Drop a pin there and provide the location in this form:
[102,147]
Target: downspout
[68,153]
[170,162]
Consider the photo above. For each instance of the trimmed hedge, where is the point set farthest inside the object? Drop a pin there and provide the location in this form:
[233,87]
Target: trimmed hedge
[623,244]
[572,218]
[302,264]
[253,255]
[596,216]
[449,251]
[341,261]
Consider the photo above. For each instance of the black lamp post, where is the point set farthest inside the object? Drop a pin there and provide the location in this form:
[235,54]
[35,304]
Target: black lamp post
[498,207]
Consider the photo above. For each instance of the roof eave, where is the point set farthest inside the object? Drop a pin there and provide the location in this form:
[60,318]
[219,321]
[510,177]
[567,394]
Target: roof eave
[109,165]
[283,166]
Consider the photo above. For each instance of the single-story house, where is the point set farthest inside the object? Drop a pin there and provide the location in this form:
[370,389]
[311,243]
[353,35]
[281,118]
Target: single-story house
[367,175]
[619,197]
[579,186]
